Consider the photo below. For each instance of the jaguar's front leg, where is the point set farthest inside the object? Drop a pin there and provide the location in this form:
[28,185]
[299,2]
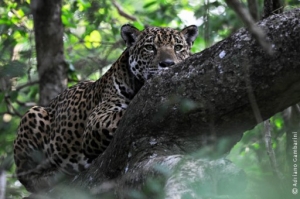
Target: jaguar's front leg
[100,128]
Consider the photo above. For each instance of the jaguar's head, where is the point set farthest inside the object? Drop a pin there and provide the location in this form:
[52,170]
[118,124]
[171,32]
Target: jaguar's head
[155,48]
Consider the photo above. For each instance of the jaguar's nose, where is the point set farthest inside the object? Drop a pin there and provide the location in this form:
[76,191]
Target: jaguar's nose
[166,63]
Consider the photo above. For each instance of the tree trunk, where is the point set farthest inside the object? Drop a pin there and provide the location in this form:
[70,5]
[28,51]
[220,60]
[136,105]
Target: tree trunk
[218,93]
[48,29]
[272,7]
[253,9]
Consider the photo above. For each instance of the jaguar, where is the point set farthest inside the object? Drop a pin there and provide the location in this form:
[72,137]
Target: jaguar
[78,125]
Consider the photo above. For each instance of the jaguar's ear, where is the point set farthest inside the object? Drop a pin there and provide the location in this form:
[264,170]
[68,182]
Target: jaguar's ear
[190,33]
[129,34]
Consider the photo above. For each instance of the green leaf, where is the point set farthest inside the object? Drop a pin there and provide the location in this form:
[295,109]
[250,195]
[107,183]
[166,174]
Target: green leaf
[13,95]
[147,5]
[34,91]
[13,69]
[255,145]
[93,39]
[83,5]
[20,13]
[278,123]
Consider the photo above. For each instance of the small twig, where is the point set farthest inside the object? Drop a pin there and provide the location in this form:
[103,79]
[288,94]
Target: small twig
[122,12]
[27,84]
[270,151]
[10,106]
[257,32]
[26,104]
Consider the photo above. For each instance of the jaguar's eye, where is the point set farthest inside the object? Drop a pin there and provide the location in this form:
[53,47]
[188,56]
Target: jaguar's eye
[178,47]
[149,47]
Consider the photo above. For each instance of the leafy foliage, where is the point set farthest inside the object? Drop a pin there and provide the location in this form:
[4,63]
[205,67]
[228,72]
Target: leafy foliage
[92,42]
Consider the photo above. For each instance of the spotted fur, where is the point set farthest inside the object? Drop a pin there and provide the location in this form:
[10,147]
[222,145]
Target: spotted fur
[78,124]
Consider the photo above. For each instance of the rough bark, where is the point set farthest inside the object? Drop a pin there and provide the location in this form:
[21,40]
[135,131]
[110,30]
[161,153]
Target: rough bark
[219,92]
[48,29]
